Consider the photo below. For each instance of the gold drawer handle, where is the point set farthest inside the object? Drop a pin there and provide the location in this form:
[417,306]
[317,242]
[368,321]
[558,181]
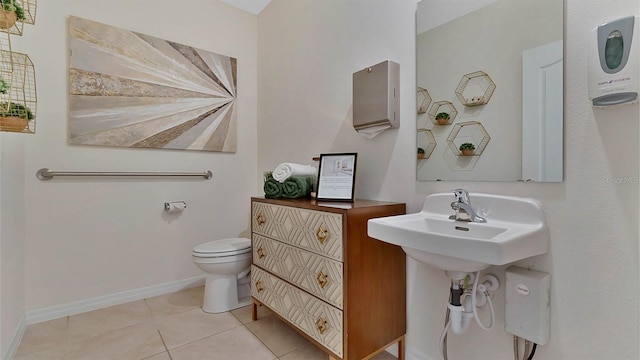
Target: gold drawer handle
[260,253]
[322,234]
[259,286]
[321,325]
[322,279]
[260,219]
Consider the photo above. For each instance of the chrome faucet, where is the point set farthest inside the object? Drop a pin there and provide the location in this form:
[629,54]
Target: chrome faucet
[463,209]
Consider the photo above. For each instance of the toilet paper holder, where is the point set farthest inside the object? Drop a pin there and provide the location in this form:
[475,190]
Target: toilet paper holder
[175,206]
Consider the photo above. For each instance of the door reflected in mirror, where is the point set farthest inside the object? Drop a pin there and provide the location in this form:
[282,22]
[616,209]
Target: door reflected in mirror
[490,90]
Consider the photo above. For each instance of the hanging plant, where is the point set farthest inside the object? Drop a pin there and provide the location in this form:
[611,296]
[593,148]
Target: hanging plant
[14,117]
[4,87]
[15,109]
[13,6]
[10,12]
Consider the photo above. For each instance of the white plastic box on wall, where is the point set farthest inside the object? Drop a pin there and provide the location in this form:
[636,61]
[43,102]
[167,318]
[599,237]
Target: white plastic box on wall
[614,62]
[528,304]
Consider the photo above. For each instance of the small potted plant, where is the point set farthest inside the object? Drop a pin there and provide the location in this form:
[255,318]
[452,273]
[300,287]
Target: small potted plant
[442,118]
[420,153]
[467,149]
[4,87]
[10,12]
[14,116]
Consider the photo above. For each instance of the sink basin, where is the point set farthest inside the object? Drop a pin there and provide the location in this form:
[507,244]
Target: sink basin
[515,230]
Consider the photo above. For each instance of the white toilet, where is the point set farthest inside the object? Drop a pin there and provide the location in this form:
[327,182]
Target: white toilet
[227,264]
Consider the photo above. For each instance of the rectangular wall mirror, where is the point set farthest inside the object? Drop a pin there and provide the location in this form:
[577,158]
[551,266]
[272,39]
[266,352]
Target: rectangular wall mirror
[490,90]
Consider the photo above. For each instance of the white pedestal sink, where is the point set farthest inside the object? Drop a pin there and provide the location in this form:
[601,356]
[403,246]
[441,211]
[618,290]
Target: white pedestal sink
[515,229]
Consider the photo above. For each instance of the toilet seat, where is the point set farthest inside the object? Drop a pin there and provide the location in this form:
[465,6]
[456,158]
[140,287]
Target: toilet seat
[222,248]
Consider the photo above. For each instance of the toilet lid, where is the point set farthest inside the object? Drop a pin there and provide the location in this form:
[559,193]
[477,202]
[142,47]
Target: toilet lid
[224,247]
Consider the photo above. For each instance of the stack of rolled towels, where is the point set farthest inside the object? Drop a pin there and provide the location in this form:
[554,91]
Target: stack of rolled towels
[290,181]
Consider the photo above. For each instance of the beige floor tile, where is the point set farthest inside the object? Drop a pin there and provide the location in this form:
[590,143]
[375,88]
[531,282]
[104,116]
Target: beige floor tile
[384,356]
[244,313]
[312,352]
[52,353]
[276,335]
[306,351]
[142,329]
[177,302]
[236,343]
[185,327]
[42,336]
[131,343]
[93,323]
[161,356]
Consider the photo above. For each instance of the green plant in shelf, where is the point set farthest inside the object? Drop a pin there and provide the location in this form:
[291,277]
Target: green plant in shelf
[15,110]
[4,87]
[13,6]
[467,148]
[442,118]
[421,153]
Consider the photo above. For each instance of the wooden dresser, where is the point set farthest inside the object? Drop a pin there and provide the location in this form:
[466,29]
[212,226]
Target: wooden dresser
[315,267]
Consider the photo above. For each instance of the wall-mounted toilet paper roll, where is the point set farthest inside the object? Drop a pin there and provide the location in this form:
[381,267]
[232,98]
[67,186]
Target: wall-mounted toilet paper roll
[175,206]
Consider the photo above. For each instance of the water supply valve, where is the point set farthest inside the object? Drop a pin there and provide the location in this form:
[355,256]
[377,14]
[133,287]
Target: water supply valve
[489,283]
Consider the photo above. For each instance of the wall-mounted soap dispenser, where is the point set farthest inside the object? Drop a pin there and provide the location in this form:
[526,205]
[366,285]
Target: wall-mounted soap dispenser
[613,62]
[376,98]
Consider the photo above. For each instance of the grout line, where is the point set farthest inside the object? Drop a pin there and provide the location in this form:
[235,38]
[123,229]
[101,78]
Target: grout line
[65,345]
[164,344]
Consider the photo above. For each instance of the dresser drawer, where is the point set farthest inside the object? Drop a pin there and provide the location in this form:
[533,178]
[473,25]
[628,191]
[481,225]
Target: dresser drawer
[315,231]
[316,274]
[320,321]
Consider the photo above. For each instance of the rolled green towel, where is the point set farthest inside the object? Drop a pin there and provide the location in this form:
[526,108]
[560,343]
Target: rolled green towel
[272,188]
[296,187]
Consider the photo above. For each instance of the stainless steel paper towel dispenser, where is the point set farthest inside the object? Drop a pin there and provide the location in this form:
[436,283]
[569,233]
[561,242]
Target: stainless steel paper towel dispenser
[376,98]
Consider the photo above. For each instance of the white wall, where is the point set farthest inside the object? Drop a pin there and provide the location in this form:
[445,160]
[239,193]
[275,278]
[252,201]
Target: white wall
[12,236]
[308,51]
[89,238]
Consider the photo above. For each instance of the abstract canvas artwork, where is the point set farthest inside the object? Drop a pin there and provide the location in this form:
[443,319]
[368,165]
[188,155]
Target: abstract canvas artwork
[132,90]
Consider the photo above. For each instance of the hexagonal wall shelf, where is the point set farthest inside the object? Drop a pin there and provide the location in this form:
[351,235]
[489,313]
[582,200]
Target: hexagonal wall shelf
[468,132]
[443,106]
[423,100]
[427,142]
[475,89]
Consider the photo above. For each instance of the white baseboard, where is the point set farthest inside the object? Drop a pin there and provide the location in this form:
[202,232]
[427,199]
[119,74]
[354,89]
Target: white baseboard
[15,340]
[77,307]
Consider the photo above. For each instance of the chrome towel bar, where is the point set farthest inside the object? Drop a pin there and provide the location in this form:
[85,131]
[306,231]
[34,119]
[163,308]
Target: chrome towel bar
[46,174]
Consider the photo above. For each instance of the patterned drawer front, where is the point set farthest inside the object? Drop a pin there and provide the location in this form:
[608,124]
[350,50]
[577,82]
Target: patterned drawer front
[316,231]
[317,319]
[316,274]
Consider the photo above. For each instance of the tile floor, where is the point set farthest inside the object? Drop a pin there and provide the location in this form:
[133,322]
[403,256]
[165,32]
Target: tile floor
[167,327]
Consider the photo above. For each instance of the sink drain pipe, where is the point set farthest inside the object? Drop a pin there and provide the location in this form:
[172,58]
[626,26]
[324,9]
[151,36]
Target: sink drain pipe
[463,304]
